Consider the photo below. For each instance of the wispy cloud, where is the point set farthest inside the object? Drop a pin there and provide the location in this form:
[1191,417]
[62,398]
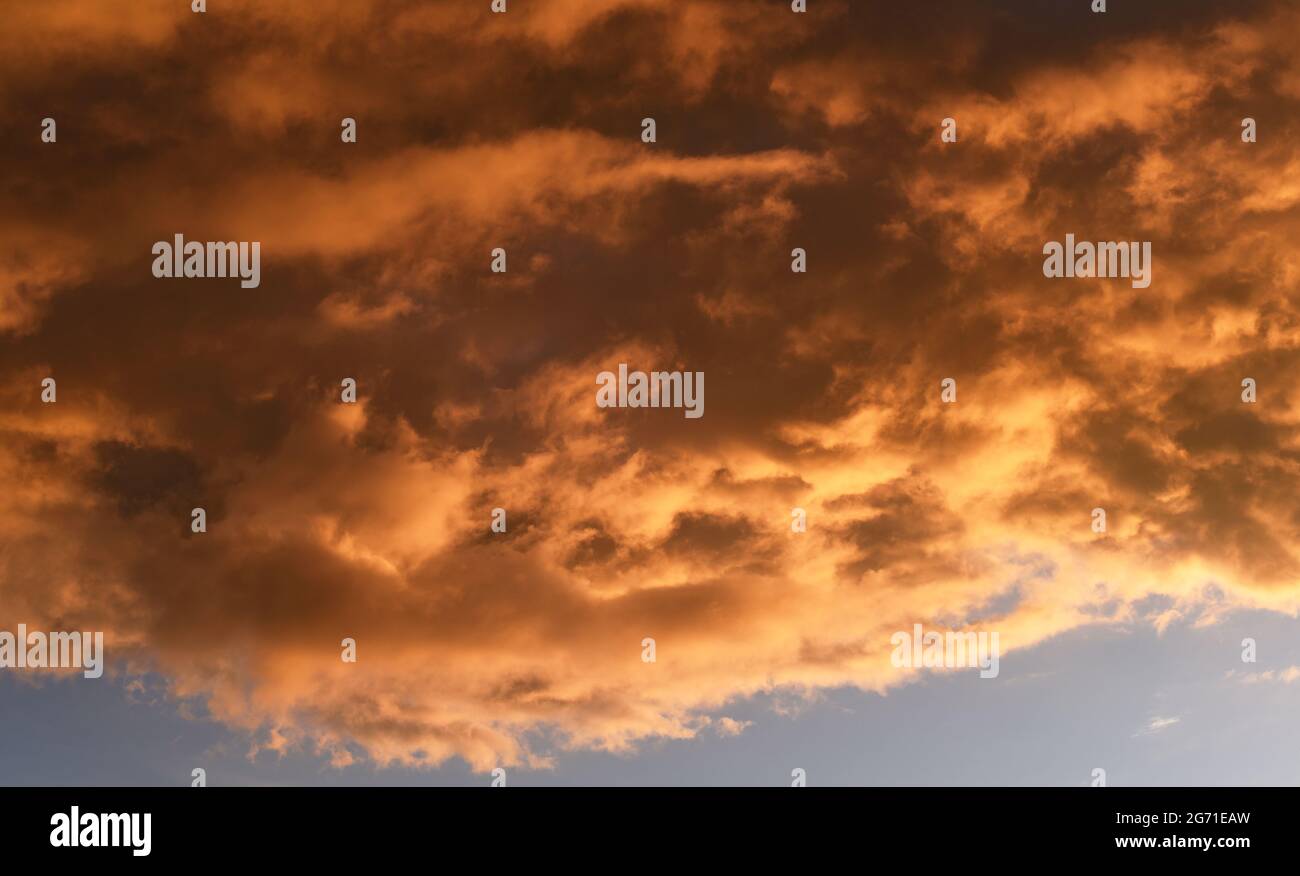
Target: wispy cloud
[1156,725]
[1279,676]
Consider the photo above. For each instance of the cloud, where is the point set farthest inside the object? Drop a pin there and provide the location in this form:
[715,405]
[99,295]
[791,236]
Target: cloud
[731,727]
[1281,676]
[476,390]
[1156,725]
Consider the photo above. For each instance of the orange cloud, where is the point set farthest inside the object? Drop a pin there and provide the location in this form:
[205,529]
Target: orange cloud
[477,391]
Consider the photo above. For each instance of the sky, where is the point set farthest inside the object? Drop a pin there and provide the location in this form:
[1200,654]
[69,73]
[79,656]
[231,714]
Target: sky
[1122,648]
